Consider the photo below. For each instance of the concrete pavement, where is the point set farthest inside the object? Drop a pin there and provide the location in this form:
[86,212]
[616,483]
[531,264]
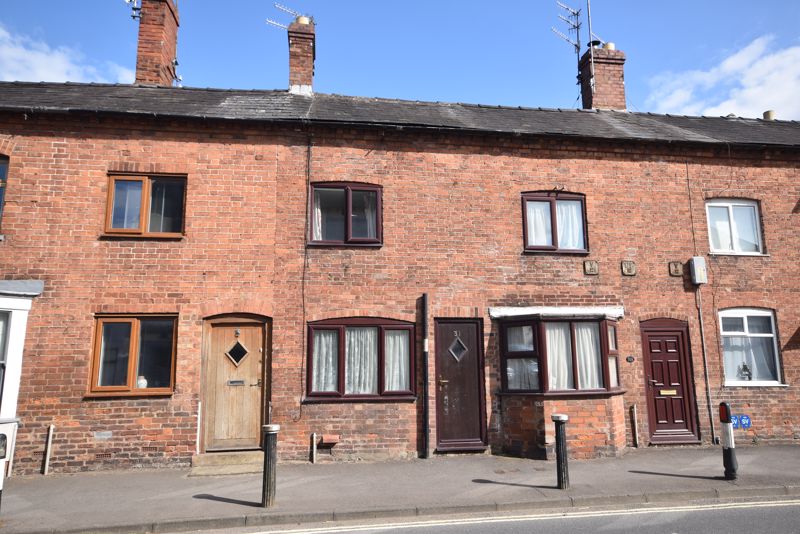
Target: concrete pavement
[168,500]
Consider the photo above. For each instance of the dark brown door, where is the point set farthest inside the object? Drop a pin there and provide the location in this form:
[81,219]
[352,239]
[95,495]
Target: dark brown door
[670,386]
[234,385]
[460,413]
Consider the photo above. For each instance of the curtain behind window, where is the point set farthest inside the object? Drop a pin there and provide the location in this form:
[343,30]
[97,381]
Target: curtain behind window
[3,335]
[361,360]
[757,353]
[569,218]
[559,355]
[396,375]
[587,346]
[540,231]
[325,360]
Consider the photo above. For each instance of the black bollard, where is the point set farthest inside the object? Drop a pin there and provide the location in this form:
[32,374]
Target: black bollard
[270,438]
[561,449]
[728,444]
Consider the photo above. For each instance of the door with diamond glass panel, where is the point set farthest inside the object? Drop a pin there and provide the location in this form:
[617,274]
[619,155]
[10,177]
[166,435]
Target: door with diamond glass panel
[459,383]
[234,385]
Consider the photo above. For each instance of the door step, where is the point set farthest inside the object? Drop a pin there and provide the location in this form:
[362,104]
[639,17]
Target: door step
[227,463]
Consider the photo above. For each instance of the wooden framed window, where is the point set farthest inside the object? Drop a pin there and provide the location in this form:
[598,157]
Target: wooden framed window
[558,356]
[555,222]
[345,214]
[134,355]
[360,358]
[3,181]
[734,227]
[148,206]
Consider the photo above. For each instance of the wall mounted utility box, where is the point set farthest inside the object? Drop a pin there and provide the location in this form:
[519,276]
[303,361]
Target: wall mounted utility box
[697,266]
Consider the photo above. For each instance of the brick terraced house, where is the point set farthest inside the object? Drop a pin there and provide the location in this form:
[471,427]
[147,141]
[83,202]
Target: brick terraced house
[180,266]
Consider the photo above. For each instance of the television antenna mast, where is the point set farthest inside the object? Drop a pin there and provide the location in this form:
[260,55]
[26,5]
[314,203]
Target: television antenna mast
[285,9]
[572,18]
[136,8]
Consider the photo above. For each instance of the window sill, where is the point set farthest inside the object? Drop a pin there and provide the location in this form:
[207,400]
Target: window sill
[127,394]
[745,254]
[554,252]
[755,384]
[157,237]
[596,393]
[312,244]
[365,398]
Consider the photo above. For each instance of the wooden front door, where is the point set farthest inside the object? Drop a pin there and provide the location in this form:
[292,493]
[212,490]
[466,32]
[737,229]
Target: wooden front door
[460,413]
[671,404]
[234,385]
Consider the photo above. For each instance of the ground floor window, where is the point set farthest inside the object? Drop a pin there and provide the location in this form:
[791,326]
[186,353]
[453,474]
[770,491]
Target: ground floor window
[749,347]
[134,355]
[559,355]
[4,320]
[360,357]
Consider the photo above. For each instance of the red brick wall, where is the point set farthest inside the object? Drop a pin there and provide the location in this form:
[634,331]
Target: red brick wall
[452,228]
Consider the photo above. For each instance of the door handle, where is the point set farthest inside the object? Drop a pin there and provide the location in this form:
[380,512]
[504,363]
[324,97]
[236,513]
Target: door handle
[653,382]
[442,383]
[257,384]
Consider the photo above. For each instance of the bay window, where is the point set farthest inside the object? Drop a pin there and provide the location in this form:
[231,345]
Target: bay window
[360,358]
[558,356]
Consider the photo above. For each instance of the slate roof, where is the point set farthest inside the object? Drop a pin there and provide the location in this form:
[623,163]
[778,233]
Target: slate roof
[281,106]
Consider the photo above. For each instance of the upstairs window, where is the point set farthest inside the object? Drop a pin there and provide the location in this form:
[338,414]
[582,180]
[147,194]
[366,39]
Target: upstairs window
[733,226]
[134,355]
[559,356]
[3,179]
[345,214]
[151,206]
[554,222]
[749,347]
[361,358]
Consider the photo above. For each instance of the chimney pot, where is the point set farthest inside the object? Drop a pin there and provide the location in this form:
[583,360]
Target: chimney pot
[769,115]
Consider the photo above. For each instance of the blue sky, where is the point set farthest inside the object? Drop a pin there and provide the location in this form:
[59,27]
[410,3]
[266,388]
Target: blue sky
[687,57]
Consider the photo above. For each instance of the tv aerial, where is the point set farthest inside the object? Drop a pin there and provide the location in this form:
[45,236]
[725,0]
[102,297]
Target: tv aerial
[285,9]
[136,8]
[572,18]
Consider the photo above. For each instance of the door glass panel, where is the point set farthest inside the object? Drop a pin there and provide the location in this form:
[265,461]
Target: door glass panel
[155,353]
[114,353]
[127,204]
[166,206]
[364,223]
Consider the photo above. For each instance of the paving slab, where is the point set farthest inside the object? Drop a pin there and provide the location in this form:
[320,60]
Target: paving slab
[169,500]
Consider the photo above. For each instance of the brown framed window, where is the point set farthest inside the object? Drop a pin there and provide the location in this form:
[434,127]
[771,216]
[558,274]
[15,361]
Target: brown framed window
[134,355]
[3,181]
[360,358]
[345,214]
[556,356]
[150,206]
[554,221]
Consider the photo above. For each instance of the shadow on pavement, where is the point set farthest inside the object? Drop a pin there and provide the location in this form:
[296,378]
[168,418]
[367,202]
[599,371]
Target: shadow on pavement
[226,499]
[484,481]
[675,475]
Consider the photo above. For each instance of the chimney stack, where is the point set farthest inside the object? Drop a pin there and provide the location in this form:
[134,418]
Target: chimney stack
[158,43]
[609,78]
[302,51]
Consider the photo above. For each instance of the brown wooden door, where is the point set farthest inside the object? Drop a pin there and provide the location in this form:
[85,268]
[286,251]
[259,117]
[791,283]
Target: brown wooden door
[670,386]
[460,414]
[234,386]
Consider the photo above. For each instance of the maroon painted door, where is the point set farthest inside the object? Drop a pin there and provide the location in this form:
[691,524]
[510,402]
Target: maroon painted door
[460,413]
[670,387]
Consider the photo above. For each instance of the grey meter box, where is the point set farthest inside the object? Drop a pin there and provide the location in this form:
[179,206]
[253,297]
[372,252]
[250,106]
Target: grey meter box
[697,266]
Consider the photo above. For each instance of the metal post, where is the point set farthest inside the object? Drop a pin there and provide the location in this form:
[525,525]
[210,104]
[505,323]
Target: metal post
[728,445]
[270,436]
[561,450]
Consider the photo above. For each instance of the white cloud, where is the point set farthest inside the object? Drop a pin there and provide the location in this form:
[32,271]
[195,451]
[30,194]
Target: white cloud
[25,59]
[746,83]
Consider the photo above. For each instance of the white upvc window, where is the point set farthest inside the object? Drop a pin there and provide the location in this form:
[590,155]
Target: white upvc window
[733,227]
[749,347]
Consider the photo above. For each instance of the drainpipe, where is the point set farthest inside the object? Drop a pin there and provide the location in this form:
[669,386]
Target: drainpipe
[426,427]
[699,302]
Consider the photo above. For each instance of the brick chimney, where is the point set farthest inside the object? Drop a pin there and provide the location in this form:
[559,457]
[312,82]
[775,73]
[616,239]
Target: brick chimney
[158,42]
[302,52]
[609,78]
